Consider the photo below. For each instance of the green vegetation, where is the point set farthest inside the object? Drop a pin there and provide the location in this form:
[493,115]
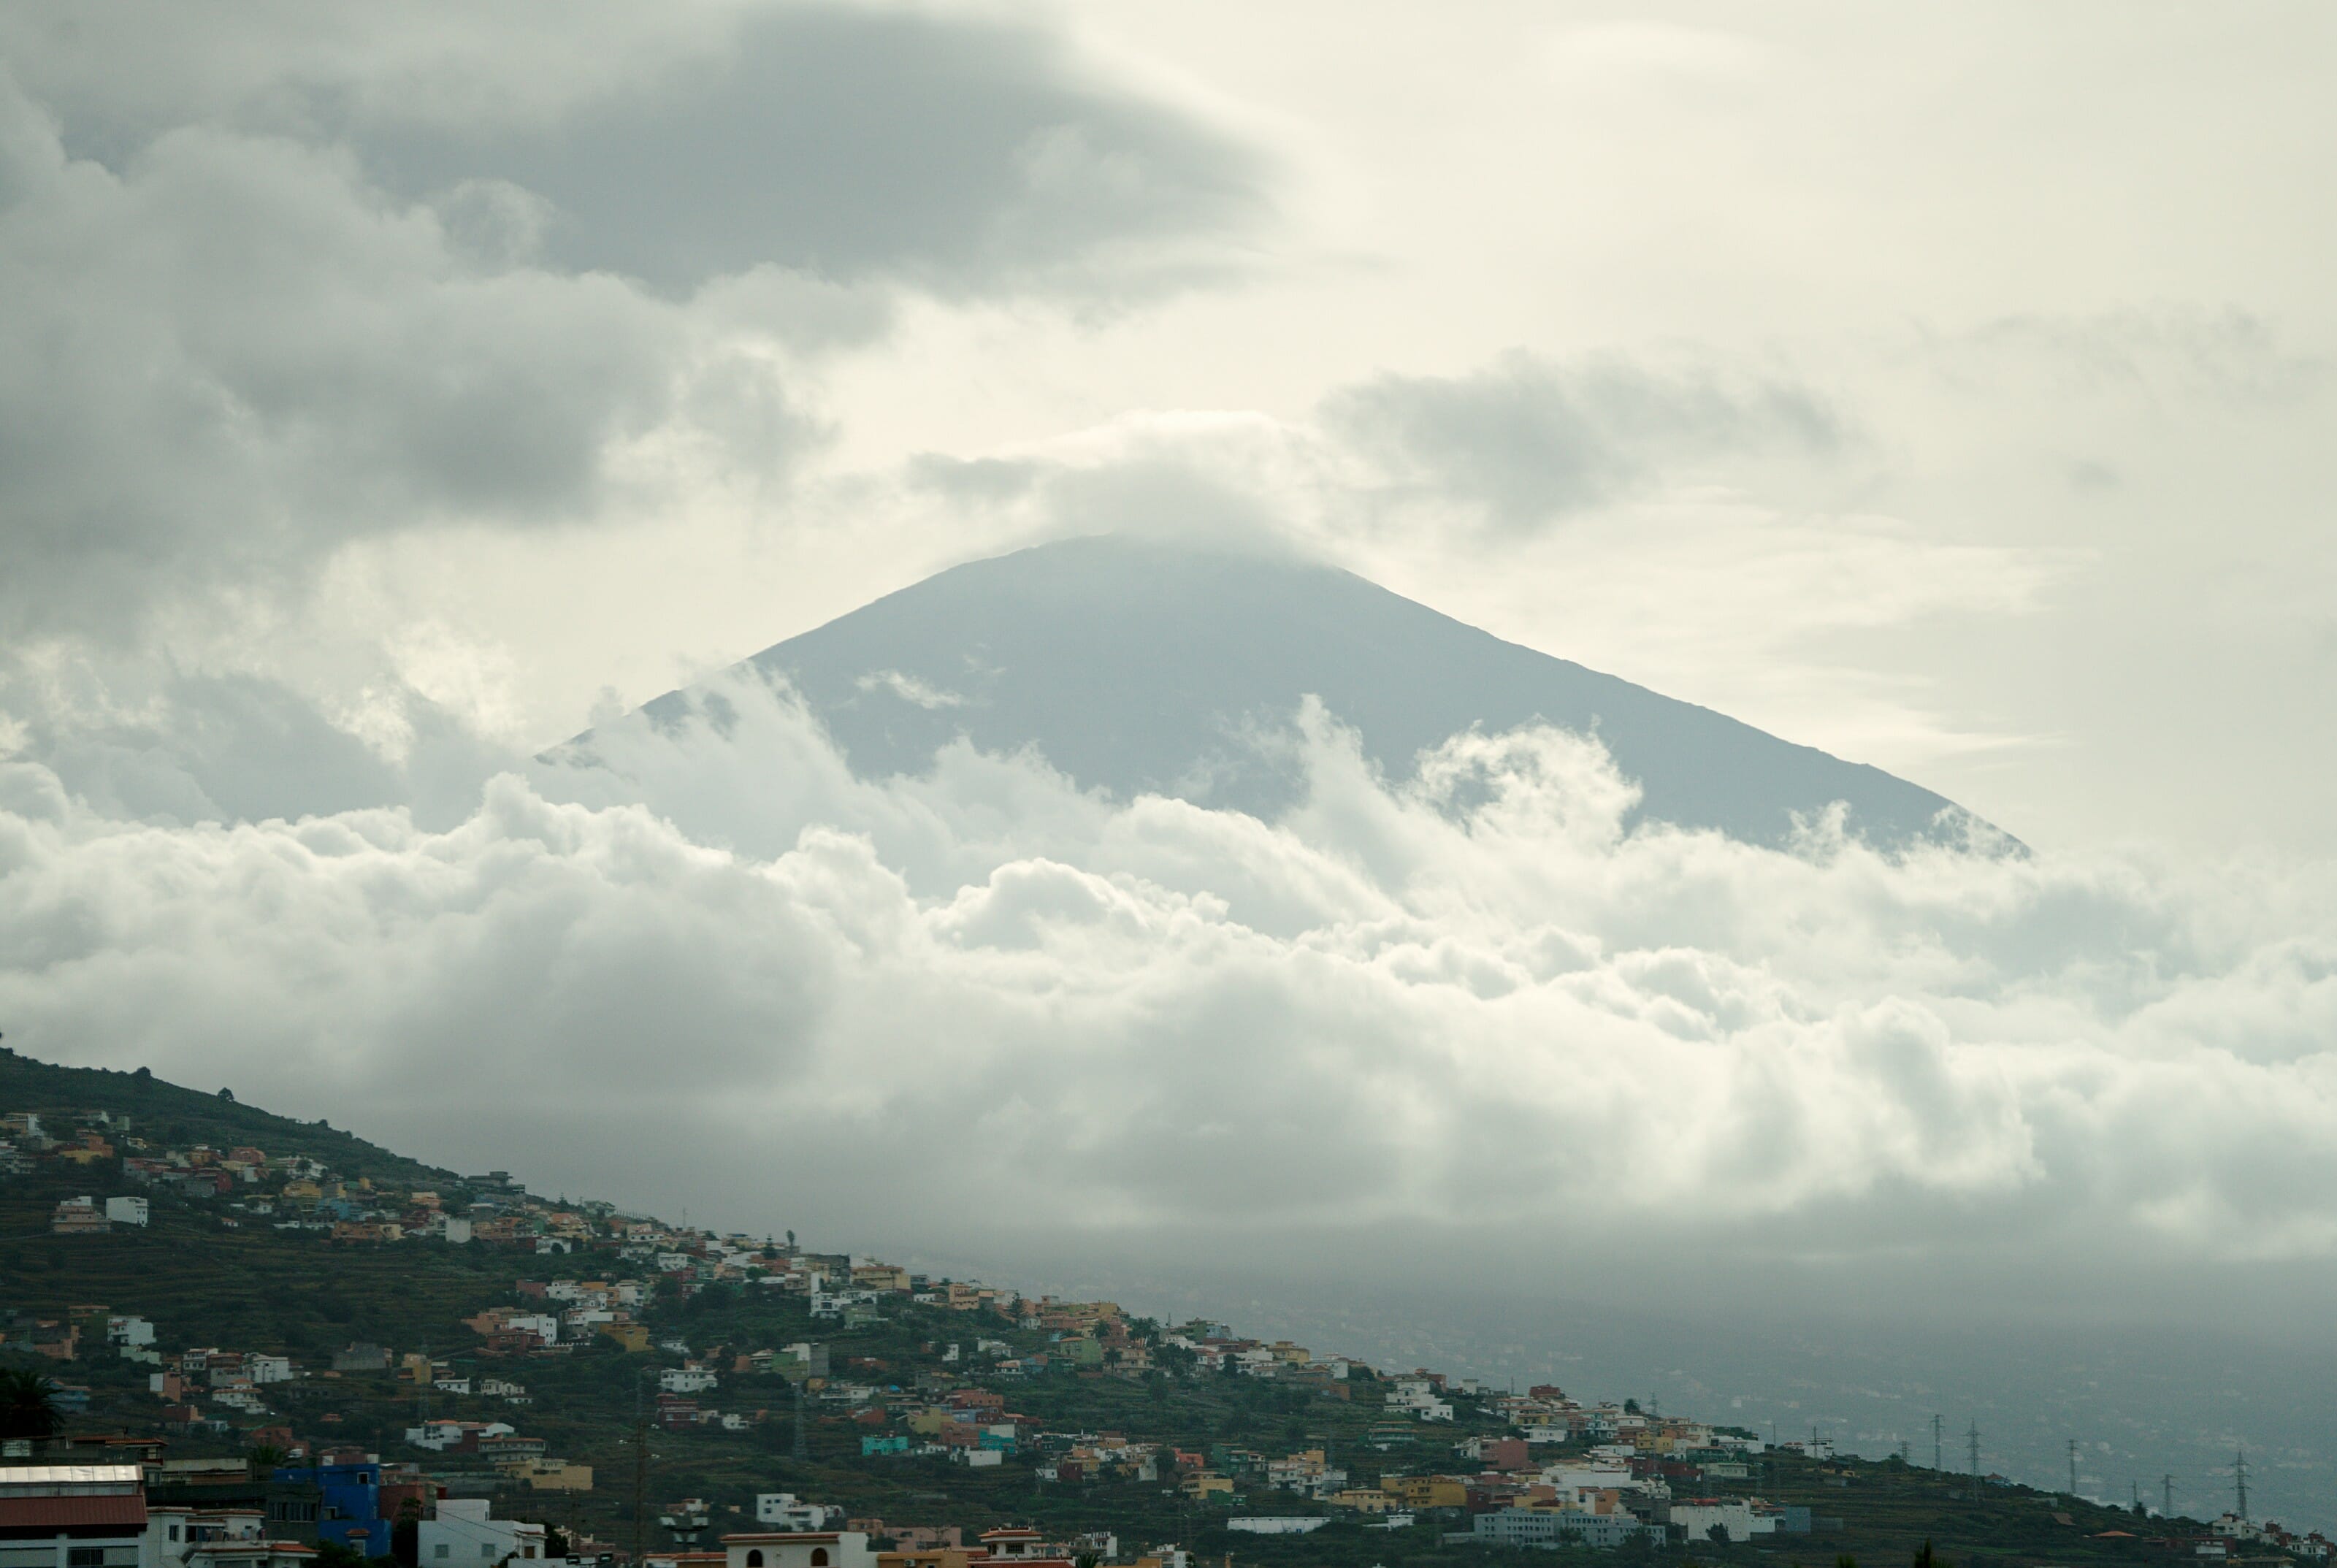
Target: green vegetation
[207,1275]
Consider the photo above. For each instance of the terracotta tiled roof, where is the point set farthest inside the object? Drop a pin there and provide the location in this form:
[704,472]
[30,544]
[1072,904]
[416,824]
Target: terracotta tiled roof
[67,1512]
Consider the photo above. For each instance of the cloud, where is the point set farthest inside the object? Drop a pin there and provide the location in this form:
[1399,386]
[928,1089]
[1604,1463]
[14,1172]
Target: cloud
[1460,1009]
[277,288]
[966,156]
[961,154]
[909,688]
[1529,441]
[234,357]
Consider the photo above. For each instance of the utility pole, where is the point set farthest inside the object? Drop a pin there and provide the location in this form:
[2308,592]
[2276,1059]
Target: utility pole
[801,1452]
[2166,1495]
[2136,1488]
[1936,1463]
[2073,1467]
[1973,1439]
[2240,1480]
[1902,1451]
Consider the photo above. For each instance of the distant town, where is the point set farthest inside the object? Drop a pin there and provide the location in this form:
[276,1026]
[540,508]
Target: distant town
[140,1440]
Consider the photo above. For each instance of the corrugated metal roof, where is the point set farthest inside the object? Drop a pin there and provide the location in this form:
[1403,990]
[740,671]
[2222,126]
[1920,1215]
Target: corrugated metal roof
[58,1474]
[69,1513]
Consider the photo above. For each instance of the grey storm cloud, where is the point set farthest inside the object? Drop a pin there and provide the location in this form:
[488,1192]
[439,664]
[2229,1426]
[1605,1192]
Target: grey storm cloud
[1528,440]
[274,289]
[968,157]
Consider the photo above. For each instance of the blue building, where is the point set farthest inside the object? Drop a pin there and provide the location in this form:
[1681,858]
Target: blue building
[349,1505]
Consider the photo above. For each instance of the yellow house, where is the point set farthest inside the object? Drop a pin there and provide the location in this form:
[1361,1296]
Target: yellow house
[550,1474]
[1206,1483]
[1365,1500]
[925,1423]
[628,1335]
[1425,1491]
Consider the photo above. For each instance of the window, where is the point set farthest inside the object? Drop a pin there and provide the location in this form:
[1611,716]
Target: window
[487,1550]
[85,1557]
[175,1532]
[819,1557]
[442,1550]
[755,1557]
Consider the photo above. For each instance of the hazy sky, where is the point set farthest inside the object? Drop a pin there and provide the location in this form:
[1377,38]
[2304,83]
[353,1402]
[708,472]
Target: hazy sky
[1946,387]
[386,393]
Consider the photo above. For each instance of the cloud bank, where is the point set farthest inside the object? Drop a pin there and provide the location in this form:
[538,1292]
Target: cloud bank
[980,1004]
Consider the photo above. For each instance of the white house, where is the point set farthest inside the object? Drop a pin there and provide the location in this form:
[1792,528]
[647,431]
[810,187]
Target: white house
[463,1533]
[782,1509]
[127,1332]
[542,1325]
[798,1549]
[457,1229]
[269,1369]
[1699,1517]
[126,1211]
[686,1379]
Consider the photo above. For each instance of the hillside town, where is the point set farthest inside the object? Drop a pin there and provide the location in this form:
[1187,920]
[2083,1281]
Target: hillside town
[468,1477]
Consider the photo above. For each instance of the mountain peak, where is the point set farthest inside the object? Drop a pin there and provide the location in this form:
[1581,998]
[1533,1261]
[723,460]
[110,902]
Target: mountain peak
[1139,666]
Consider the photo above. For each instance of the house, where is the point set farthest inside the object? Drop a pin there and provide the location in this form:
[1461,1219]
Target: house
[1550,1528]
[1426,1491]
[349,1497]
[70,1512]
[130,1332]
[1698,1517]
[465,1533]
[126,1211]
[541,1475]
[79,1217]
[797,1549]
[686,1379]
[781,1509]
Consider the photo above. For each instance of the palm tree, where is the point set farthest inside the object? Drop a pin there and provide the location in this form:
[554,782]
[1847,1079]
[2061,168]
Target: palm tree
[28,1405]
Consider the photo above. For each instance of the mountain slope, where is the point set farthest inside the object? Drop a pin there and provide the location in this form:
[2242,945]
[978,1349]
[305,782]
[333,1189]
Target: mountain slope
[1139,667]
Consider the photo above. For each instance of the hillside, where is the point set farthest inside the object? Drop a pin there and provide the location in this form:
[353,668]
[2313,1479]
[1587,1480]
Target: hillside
[174,1114]
[1109,1420]
[1138,667]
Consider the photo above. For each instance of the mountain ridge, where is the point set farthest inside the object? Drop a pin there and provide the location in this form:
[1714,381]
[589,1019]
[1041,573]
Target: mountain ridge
[1137,666]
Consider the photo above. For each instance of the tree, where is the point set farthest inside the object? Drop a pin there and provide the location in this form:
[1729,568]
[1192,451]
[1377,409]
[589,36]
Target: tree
[264,1460]
[1631,1406]
[1718,1532]
[1923,1557]
[28,1405]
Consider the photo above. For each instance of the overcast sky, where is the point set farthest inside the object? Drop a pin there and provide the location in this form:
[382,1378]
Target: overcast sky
[386,393]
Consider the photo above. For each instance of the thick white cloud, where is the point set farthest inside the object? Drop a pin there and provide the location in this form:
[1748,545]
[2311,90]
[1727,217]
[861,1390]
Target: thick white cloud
[980,1002]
